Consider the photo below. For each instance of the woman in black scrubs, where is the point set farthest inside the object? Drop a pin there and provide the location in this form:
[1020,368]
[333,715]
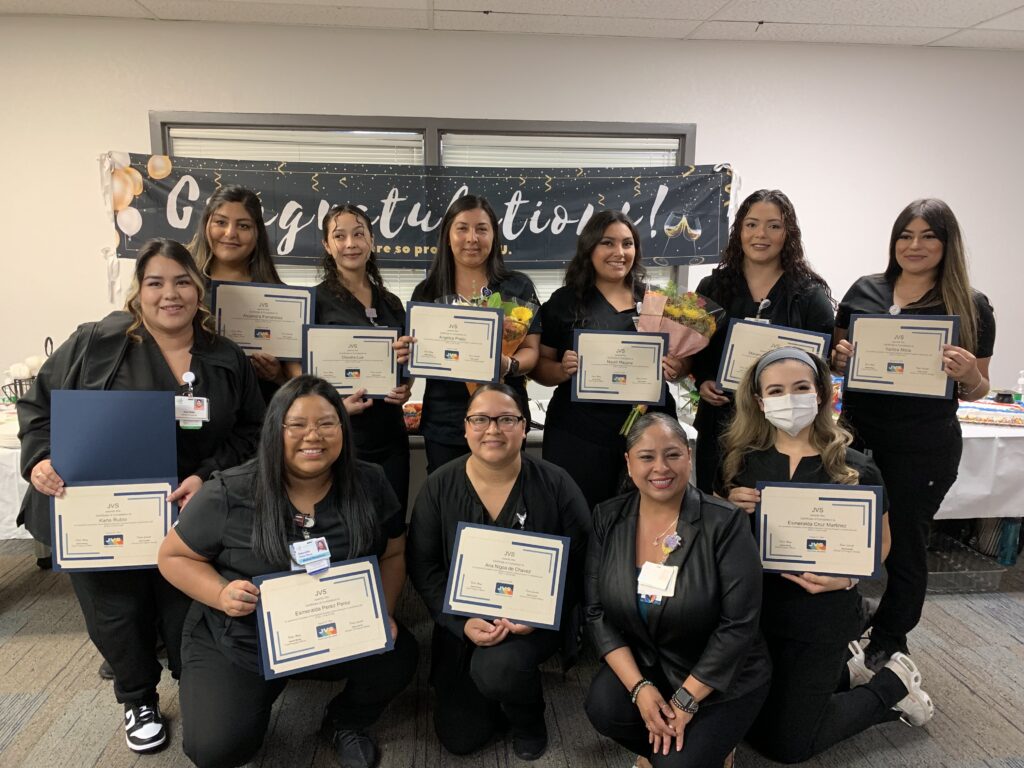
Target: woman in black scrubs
[603,284]
[683,669]
[485,673]
[762,274]
[305,481]
[352,293]
[916,441]
[469,264]
[231,243]
[784,432]
[164,333]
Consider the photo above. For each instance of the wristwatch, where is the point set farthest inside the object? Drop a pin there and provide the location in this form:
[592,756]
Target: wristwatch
[684,700]
[513,367]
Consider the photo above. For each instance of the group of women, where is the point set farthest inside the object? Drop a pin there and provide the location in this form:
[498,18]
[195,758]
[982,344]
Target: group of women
[725,652]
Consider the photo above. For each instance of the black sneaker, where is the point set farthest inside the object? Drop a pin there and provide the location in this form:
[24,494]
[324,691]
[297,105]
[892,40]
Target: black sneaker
[144,727]
[354,749]
[530,745]
[106,671]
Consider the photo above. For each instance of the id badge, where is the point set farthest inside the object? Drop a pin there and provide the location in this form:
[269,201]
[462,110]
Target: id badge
[657,580]
[312,554]
[191,412]
[762,320]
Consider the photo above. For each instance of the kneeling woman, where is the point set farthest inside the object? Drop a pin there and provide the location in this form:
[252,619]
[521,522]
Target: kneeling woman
[486,672]
[784,432]
[304,480]
[684,670]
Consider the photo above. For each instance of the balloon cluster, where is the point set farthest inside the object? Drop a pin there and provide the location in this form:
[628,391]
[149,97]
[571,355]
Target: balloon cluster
[126,185]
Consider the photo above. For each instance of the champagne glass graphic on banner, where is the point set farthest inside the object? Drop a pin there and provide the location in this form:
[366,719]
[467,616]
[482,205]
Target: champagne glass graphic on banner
[673,227]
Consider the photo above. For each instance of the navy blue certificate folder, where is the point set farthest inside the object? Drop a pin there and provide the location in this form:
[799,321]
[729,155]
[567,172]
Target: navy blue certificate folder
[106,435]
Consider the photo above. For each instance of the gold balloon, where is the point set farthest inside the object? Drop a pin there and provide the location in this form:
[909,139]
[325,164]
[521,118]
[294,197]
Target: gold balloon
[136,178]
[159,167]
[122,189]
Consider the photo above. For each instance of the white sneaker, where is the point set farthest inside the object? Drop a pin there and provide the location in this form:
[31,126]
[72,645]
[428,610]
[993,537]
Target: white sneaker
[916,706]
[859,672]
[144,727]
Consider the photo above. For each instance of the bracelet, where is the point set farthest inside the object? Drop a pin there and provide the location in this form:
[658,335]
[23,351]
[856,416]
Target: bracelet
[644,682]
[965,393]
[690,705]
[853,583]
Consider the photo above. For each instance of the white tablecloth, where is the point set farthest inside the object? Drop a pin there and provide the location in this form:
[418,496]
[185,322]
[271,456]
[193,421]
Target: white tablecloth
[991,478]
[12,488]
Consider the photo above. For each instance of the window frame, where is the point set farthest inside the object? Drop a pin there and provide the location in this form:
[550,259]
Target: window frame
[432,128]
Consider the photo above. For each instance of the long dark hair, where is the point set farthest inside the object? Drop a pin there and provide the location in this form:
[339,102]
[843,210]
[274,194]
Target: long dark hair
[580,274]
[329,268]
[261,263]
[953,284]
[273,517]
[440,279]
[176,252]
[727,278]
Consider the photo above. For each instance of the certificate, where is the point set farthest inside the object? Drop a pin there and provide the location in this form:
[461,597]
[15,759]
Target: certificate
[351,357]
[263,317]
[901,354]
[619,367]
[309,621]
[111,526]
[454,342]
[500,573]
[747,340]
[830,530]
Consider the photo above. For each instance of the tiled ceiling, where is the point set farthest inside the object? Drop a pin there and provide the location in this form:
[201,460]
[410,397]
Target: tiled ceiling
[996,24]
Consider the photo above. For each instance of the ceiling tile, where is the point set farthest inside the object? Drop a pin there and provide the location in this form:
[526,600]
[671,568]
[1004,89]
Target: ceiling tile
[1012,20]
[815,33]
[283,13]
[562,25]
[985,38]
[637,9]
[128,9]
[883,13]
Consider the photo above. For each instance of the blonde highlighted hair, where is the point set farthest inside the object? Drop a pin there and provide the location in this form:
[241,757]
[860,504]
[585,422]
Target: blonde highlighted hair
[176,252]
[750,431]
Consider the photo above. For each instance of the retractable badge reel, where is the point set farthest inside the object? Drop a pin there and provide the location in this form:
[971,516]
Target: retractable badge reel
[189,410]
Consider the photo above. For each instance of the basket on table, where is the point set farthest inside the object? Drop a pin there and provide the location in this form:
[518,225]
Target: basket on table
[17,389]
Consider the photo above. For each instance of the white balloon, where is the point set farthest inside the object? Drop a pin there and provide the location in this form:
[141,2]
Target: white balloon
[129,221]
[120,159]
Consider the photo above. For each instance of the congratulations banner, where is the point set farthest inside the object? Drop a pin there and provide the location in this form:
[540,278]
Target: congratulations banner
[681,212]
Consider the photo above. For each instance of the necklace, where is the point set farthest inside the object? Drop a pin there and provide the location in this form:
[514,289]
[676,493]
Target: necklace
[669,542]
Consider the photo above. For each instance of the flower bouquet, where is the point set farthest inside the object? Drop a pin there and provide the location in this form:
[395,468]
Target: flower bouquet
[689,319]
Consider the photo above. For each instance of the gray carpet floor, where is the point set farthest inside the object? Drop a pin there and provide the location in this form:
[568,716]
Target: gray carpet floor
[55,710]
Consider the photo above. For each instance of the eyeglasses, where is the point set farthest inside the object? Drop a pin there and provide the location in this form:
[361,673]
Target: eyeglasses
[322,428]
[505,422]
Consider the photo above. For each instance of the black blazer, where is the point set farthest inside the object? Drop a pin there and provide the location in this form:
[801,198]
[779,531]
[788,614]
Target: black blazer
[710,627]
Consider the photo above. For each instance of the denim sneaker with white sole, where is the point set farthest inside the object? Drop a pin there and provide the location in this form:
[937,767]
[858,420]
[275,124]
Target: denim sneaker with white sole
[859,672]
[144,727]
[916,706]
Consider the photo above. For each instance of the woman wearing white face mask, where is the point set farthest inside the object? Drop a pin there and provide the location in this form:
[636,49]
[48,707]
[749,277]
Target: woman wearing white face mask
[784,432]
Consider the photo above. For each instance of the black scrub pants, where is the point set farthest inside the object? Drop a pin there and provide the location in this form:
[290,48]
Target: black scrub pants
[806,711]
[480,689]
[394,460]
[710,736]
[710,423]
[597,467]
[225,709]
[916,481]
[124,613]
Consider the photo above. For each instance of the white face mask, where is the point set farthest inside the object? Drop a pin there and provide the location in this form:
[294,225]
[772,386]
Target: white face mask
[791,413]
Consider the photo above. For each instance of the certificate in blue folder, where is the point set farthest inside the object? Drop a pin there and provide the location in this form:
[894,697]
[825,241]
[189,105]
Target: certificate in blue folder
[101,435]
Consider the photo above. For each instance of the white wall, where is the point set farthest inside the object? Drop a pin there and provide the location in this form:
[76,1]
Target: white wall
[851,133]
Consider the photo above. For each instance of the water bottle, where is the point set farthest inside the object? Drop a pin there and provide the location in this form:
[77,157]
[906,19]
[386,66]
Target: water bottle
[1018,393]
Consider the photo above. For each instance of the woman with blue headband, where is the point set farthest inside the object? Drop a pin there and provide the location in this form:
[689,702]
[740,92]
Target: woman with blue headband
[784,432]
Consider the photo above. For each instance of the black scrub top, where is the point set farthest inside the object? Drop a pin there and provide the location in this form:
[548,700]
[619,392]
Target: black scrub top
[382,424]
[444,402]
[905,421]
[236,406]
[594,422]
[787,609]
[217,525]
[805,307]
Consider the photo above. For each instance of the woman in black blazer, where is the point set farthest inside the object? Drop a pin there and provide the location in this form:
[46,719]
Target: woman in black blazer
[673,594]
